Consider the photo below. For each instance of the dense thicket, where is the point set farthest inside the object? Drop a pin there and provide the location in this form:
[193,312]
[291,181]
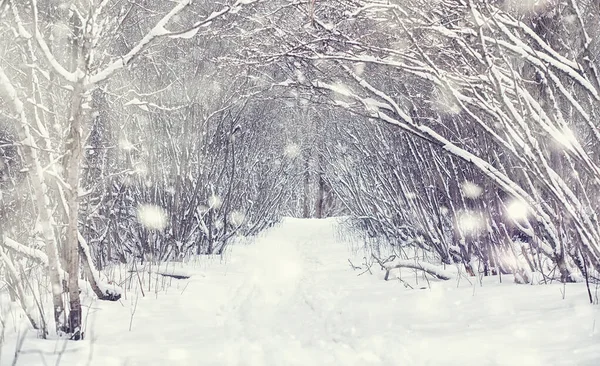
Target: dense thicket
[492,160]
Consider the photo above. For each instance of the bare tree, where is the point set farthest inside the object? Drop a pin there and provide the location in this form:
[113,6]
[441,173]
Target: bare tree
[70,76]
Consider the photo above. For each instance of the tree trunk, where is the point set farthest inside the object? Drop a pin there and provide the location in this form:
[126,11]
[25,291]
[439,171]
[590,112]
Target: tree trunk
[306,203]
[16,290]
[40,190]
[320,204]
[74,156]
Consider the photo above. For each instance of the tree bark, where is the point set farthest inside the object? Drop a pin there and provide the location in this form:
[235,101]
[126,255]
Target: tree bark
[74,155]
[40,190]
[320,204]
[306,203]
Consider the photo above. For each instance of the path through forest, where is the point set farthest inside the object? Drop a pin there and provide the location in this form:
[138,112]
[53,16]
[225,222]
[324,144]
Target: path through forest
[291,298]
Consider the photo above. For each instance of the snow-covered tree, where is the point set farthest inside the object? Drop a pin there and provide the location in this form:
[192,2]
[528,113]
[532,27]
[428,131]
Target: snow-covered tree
[506,91]
[58,56]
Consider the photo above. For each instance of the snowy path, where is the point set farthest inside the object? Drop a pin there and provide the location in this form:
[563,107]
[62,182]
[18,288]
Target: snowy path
[287,310]
[292,299]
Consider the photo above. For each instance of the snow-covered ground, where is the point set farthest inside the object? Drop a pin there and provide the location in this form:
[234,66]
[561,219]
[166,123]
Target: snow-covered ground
[292,299]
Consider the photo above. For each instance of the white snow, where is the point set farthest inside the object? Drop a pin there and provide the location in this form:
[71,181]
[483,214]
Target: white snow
[526,6]
[517,210]
[214,201]
[291,298]
[186,35]
[237,218]
[152,217]
[292,151]
[341,89]
[469,221]
[126,145]
[566,137]
[471,190]
[359,68]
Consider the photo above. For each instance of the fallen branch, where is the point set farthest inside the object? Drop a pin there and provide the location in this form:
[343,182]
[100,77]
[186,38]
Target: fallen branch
[102,291]
[392,263]
[352,265]
[178,275]
[175,276]
[368,267]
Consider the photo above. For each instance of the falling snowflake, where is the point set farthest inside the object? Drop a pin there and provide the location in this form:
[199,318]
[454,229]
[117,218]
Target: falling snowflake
[56,290]
[517,210]
[445,103]
[237,218]
[202,209]
[565,138]
[152,217]
[525,7]
[292,151]
[410,195]
[300,76]
[570,19]
[471,190]
[141,169]
[469,222]
[126,145]
[359,68]
[444,210]
[214,201]
[341,89]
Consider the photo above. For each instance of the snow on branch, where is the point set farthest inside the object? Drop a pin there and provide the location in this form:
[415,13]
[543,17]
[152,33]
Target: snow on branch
[159,31]
[104,291]
[541,58]
[369,103]
[32,253]
[404,121]
[531,33]
[143,105]
[56,66]
[17,286]
[392,263]
[9,94]
[191,31]
[156,32]
[378,7]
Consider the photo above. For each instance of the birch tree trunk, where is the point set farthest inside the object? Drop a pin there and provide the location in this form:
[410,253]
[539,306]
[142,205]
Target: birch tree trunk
[74,154]
[9,94]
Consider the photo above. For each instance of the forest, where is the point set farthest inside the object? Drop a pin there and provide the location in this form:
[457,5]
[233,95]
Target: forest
[457,134]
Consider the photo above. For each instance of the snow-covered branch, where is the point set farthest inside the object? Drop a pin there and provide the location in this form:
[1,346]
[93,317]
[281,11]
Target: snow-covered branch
[397,263]
[160,30]
[52,61]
